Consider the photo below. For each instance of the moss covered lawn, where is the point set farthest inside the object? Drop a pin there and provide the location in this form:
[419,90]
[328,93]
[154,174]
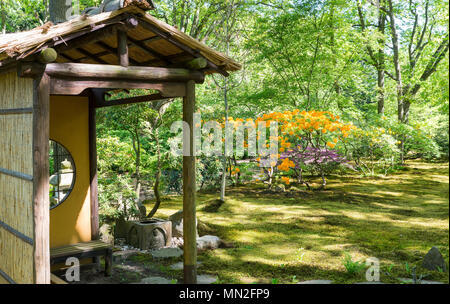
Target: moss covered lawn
[302,235]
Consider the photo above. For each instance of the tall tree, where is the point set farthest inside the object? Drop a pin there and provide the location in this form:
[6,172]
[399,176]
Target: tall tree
[154,118]
[376,55]
[427,44]
[305,52]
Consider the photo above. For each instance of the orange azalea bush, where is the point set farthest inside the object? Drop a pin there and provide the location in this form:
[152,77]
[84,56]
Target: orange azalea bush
[307,140]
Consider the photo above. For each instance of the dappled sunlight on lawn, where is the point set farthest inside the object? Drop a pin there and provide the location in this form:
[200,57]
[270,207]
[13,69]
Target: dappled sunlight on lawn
[395,218]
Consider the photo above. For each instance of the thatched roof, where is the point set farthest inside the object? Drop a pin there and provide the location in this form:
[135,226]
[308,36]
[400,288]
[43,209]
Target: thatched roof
[152,42]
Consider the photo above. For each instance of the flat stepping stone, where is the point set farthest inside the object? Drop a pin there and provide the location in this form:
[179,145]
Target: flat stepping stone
[165,253]
[206,279]
[374,282]
[316,282]
[180,266]
[410,281]
[430,282]
[155,280]
[123,255]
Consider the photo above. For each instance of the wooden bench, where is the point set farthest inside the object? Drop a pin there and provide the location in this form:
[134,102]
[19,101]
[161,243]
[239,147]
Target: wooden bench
[92,249]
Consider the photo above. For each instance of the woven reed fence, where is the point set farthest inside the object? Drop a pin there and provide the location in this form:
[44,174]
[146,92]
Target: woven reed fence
[16,187]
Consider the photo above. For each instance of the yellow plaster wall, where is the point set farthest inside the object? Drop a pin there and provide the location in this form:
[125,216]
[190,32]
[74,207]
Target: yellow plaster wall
[69,125]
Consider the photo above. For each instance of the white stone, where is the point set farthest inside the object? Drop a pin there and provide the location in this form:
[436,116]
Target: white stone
[208,242]
[166,253]
[206,279]
[177,224]
[180,265]
[155,280]
[316,282]
[410,281]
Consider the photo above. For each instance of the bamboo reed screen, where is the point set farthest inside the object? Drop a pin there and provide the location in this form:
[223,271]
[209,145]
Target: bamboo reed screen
[16,186]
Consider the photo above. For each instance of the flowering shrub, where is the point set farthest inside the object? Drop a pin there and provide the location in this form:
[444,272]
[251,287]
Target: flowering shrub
[307,141]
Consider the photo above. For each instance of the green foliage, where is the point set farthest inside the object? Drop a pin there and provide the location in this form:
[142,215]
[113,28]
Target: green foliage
[209,170]
[296,54]
[20,15]
[116,198]
[352,267]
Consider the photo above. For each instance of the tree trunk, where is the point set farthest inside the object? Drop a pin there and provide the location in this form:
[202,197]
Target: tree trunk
[137,151]
[225,97]
[224,161]
[157,179]
[398,75]
[380,91]
[59,10]
[377,60]
[381,61]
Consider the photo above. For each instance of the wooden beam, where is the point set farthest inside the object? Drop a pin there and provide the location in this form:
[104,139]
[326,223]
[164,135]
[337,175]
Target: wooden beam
[82,37]
[76,86]
[7,68]
[130,100]
[151,39]
[87,35]
[93,168]
[41,202]
[168,58]
[67,57]
[77,60]
[115,51]
[180,45]
[96,71]
[196,64]
[91,56]
[147,49]
[189,191]
[30,69]
[122,47]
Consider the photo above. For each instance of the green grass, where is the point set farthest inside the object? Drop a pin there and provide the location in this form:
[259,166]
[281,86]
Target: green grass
[304,235]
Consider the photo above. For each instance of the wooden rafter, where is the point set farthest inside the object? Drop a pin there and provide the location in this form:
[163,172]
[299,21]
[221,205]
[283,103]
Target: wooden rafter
[171,58]
[71,59]
[151,39]
[180,45]
[147,49]
[114,51]
[129,100]
[91,56]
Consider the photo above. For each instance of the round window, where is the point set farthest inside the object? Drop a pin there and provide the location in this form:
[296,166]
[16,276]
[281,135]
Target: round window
[62,173]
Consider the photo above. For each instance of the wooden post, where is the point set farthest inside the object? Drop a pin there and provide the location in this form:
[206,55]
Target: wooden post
[122,47]
[93,168]
[108,262]
[189,191]
[41,202]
